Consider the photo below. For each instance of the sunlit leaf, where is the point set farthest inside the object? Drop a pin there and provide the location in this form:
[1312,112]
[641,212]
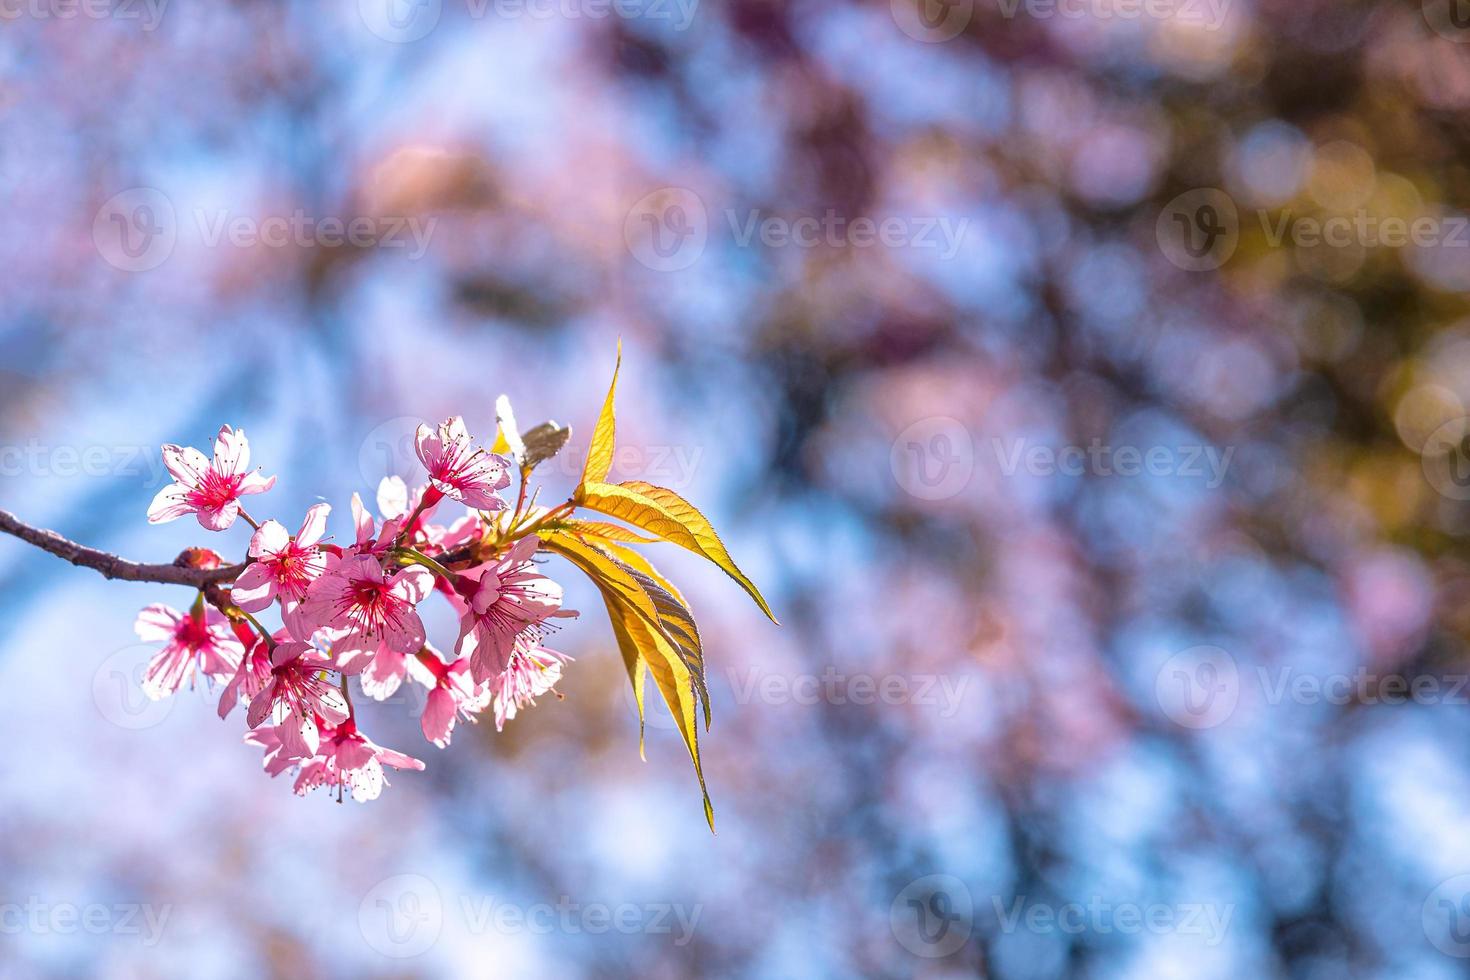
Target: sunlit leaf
[607,572]
[600,452]
[663,512]
[604,531]
[671,678]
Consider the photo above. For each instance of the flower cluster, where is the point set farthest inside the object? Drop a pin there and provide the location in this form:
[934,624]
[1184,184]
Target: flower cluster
[352,609]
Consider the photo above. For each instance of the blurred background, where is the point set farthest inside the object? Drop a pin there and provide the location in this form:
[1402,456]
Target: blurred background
[1084,382]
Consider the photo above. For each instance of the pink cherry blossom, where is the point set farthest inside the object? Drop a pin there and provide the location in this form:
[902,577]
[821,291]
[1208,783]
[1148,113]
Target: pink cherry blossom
[370,606]
[508,599]
[533,670]
[300,700]
[277,759]
[210,490]
[351,762]
[457,469]
[379,670]
[283,566]
[453,694]
[200,641]
[250,678]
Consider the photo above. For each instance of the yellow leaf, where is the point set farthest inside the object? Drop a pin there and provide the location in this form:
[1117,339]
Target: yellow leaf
[636,560]
[637,669]
[660,608]
[600,452]
[669,675]
[607,532]
[603,569]
[663,512]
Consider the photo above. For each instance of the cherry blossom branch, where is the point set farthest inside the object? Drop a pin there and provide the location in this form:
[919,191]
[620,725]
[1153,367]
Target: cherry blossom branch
[113,566]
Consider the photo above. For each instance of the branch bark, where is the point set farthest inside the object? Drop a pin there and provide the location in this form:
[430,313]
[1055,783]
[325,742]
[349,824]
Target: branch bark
[112,566]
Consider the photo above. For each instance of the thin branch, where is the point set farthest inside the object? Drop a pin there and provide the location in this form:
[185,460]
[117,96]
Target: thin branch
[112,566]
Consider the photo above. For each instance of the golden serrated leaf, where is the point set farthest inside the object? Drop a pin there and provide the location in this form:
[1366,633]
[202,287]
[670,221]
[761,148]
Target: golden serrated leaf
[661,511]
[600,452]
[606,571]
[603,531]
[670,676]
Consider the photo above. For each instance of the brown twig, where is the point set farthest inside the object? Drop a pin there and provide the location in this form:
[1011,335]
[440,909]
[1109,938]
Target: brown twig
[112,566]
